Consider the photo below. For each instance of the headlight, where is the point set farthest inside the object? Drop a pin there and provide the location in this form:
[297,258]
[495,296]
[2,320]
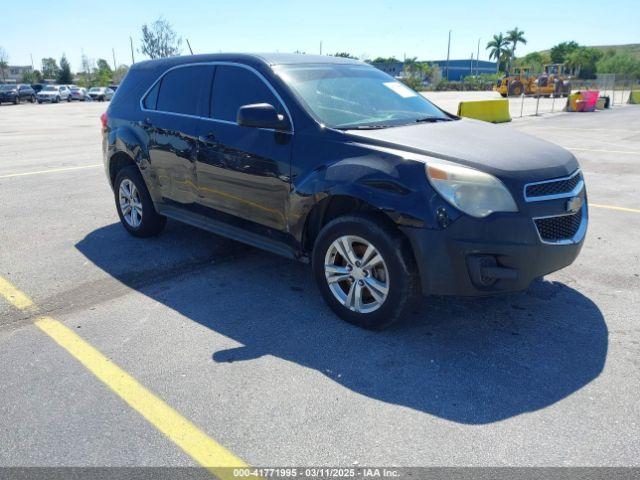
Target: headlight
[474,192]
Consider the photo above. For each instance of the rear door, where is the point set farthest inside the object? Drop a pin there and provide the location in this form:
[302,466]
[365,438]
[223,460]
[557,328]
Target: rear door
[171,110]
[243,171]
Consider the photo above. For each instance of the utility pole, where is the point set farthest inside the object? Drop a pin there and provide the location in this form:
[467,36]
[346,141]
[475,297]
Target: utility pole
[448,51]
[471,65]
[133,60]
[478,59]
[115,66]
[320,47]
[32,67]
[189,45]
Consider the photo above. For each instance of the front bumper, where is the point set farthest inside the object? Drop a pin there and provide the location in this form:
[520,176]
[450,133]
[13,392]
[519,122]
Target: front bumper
[501,253]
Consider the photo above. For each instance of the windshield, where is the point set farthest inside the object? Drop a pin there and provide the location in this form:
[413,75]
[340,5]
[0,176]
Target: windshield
[357,96]
[50,88]
[95,89]
[7,87]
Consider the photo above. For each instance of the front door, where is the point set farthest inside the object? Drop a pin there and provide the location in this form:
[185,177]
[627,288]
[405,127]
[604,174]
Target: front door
[243,171]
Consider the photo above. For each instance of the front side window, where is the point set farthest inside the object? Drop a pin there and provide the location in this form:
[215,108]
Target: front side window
[357,96]
[234,87]
[181,90]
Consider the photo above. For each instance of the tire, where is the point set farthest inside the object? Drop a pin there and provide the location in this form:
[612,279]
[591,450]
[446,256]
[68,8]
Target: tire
[39,102]
[397,271]
[16,100]
[515,89]
[32,99]
[151,223]
[69,99]
[57,100]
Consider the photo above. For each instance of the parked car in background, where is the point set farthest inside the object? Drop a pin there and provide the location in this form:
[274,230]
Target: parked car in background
[78,93]
[333,162]
[17,93]
[54,94]
[8,94]
[37,87]
[113,87]
[100,93]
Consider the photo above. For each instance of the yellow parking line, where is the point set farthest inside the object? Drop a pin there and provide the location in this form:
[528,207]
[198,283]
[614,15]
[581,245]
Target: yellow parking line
[50,170]
[14,296]
[195,443]
[613,207]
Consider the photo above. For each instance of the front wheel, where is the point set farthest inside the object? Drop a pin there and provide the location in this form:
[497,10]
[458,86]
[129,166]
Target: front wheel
[365,271]
[134,204]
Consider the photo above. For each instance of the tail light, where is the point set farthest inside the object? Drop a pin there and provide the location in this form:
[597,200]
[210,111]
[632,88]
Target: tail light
[104,119]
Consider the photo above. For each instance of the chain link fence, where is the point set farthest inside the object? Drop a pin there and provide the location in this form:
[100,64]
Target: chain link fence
[616,87]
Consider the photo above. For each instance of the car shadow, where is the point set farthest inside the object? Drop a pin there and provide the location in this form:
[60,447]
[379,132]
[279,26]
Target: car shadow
[472,361]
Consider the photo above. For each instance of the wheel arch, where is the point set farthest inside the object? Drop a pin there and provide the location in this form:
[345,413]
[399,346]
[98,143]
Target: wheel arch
[337,205]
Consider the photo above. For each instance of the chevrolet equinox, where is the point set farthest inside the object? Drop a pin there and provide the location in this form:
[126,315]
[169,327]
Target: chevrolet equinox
[332,162]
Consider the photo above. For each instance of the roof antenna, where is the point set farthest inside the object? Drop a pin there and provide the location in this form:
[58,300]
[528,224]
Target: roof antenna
[189,45]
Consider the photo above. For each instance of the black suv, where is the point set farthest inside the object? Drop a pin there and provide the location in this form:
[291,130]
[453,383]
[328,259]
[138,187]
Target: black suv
[17,93]
[331,161]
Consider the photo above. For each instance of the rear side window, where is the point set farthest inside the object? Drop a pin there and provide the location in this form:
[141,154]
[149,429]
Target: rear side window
[234,87]
[181,90]
[151,99]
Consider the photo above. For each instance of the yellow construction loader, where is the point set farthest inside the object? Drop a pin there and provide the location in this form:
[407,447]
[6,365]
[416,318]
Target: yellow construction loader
[553,81]
[521,81]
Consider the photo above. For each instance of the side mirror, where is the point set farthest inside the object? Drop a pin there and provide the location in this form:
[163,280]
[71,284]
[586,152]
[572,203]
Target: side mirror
[261,115]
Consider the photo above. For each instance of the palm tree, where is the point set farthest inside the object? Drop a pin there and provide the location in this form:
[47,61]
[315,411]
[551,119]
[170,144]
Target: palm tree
[497,47]
[513,38]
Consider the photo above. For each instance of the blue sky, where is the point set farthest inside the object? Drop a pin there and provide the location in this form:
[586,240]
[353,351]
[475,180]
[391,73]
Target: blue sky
[372,28]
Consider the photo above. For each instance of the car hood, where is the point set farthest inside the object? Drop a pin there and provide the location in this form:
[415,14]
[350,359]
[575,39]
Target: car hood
[48,92]
[498,150]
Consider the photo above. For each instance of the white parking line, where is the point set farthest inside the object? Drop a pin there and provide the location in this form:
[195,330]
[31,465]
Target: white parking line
[50,170]
[622,152]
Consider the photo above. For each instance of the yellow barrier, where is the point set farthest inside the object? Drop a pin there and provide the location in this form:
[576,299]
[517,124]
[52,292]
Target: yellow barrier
[634,97]
[495,111]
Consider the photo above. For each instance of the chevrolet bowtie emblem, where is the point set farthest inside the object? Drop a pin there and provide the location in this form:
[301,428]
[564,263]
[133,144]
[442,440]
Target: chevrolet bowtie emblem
[574,204]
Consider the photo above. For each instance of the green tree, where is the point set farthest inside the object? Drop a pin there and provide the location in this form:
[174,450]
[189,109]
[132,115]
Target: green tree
[513,38]
[31,76]
[50,68]
[65,76]
[498,50]
[344,55]
[385,60]
[103,75]
[160,40]
[119,73]
[620,63]
[582,62]
[4,62]
[535,60]
[560,51]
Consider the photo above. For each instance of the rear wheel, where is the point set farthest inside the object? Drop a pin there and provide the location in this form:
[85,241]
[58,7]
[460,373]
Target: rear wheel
[134,205]
[365,271]
[32,99]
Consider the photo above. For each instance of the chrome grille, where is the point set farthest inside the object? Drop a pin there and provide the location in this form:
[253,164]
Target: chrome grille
[555,188]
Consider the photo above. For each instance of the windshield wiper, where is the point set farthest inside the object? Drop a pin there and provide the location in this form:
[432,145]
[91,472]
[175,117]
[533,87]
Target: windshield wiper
[432,119]
[364,127]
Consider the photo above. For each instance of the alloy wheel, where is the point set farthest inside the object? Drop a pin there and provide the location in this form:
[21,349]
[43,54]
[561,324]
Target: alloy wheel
[357,274]
[130,203]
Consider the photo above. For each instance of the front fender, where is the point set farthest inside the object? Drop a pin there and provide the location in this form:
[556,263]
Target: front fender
[396,186]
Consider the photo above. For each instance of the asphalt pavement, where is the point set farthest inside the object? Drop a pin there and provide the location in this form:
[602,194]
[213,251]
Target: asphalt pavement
[238,343]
